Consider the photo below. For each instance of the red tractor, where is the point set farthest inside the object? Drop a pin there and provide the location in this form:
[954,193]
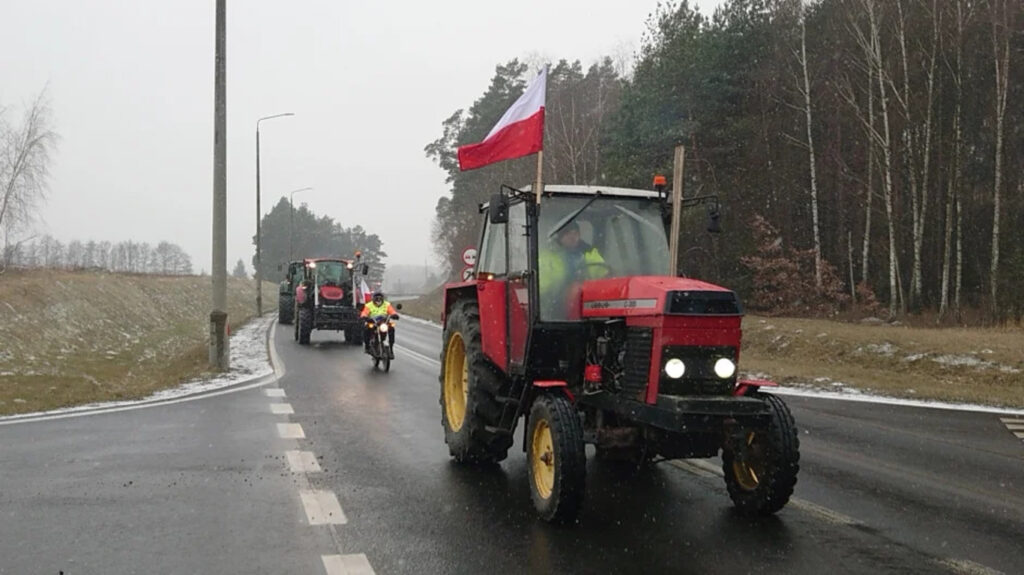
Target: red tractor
[598,343]
[328,298]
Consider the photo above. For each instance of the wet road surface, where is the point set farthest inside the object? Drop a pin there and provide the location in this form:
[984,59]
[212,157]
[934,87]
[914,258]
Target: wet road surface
[215,486]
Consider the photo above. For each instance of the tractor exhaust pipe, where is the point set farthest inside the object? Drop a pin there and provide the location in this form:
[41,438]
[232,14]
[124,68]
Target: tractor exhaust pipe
[677,198]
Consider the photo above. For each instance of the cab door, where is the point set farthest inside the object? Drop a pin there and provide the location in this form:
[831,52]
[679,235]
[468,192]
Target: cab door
[520,301]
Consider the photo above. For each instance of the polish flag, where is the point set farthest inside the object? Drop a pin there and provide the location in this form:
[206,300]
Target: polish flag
[520,132]
[365,289]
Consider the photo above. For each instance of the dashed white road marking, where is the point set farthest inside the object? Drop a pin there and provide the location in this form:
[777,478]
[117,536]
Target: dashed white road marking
[322,508]
[281,409]
[692,466]
[1009,420]
[274,392]
[356,564]
[290,431]
[1019,434]
[1014,426]
[302,461]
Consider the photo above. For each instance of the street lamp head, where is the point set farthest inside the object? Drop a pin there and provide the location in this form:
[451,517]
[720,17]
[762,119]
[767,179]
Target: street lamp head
[272,117]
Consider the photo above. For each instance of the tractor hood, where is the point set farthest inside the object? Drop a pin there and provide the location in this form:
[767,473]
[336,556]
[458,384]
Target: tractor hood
[656,295]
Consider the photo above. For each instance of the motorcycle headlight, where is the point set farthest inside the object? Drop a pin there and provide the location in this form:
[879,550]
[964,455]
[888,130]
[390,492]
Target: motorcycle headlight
[725,368]
[675,368]
[383,328]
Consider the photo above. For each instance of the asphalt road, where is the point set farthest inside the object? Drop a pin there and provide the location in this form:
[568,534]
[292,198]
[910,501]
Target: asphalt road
[206,487]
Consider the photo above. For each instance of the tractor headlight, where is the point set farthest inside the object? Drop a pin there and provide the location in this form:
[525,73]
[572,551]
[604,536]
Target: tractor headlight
[675,368]
[725,368]
[383,328]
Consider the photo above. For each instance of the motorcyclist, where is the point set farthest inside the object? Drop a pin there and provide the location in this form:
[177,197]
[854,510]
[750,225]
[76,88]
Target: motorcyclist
[375,308]
[566,260]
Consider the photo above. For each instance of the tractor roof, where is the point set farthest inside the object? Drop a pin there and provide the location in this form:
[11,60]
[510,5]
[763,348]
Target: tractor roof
[344,261]
[567,189]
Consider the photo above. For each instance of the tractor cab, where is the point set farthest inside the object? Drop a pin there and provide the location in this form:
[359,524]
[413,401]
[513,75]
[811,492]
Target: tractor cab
[575,320]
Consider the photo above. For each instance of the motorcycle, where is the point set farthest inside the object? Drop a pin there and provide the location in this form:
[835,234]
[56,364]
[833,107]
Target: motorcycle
[378,349]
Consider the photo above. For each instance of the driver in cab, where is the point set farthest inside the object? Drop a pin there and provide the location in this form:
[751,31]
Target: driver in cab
[565,261]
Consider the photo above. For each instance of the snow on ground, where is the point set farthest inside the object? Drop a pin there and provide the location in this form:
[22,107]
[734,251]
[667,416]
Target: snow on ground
[249,361]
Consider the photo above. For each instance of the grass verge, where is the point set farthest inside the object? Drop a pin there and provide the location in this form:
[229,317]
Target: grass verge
[70,338]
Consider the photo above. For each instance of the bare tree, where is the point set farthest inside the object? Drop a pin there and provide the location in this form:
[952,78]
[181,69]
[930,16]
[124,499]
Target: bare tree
[806,92]
[24,166]
[1001,58]
[952,193]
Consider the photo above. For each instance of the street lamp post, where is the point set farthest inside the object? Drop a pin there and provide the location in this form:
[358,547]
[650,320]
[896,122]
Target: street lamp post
[259,275]
[291,220]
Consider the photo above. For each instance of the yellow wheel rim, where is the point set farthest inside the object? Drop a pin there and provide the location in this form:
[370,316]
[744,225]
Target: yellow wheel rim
[542,459]
[747,473]
[456,382]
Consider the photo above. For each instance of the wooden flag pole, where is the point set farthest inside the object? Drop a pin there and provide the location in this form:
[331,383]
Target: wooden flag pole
[677,198]
[540,174]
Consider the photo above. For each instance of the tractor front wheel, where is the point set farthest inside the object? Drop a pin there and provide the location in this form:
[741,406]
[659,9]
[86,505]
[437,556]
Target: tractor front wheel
[305,325]
[470,386]
[761,466]
[557,458]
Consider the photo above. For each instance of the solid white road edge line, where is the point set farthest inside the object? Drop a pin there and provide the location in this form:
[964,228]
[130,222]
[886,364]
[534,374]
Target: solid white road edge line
[419,356]
[281,409]
[290,431]
[356,564]
[322,507]
[302,461]
[704,468]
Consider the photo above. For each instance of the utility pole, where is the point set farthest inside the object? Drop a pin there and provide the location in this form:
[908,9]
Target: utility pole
[219,316]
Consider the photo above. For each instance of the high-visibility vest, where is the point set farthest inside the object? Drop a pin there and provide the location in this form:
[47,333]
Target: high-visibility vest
[553,267]
[374,310]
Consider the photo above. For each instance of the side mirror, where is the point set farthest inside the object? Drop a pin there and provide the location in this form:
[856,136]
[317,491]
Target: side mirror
[366,269]
[497,211]
[398,307]
[713,226]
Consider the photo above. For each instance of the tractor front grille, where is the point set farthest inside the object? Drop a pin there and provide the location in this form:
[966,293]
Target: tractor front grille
[700,377]
[637,362]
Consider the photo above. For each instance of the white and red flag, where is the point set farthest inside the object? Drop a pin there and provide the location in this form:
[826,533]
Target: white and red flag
[520,132]
[364,289]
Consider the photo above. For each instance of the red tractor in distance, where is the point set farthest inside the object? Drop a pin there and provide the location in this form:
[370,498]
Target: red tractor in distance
[327,298]
[618,354]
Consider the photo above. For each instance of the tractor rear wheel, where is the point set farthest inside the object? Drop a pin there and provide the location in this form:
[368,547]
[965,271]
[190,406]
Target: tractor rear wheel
[305,325]
[470,386]
[760,472]
[557,458]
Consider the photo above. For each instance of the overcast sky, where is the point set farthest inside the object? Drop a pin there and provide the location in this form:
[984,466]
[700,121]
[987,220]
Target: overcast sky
[131,87]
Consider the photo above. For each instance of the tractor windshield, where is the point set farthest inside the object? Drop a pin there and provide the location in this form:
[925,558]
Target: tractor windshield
[611,237]
[330,273]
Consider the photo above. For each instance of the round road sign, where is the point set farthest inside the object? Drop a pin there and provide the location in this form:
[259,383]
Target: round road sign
[467,274]
[469,256]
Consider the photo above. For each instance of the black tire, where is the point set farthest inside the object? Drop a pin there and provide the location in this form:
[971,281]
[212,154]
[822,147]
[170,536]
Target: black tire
[305,325]
[564,473]
[387,362]
[471,441]
[776,451]
[283,317]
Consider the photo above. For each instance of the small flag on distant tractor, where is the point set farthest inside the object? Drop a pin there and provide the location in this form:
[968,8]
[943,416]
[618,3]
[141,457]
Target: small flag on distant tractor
[365,290]
[520,132]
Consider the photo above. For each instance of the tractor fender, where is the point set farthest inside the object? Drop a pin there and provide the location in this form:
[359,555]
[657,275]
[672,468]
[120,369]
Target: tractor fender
[746,386]
[555,384]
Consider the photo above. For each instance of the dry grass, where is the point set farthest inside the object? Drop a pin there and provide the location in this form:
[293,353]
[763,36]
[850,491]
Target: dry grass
[976,365]
[427,306]
[73,338]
